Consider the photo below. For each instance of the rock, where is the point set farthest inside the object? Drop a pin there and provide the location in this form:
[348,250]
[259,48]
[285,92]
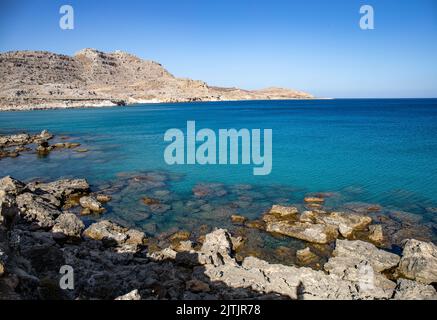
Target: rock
[150,201]
[419,261]
[8,209]
[36,209]
[305,256]
[308,216]
[133,295]
[11,186]
[255,224]
[347,223]
[61,189]
[314,200]
[283,211]
[315,233]
[217,248]
[180,236]
[237,242]
[411,290]
[184,246]
[102,198]
[197,286]
[376,233]
[69,225]
[92,204]
[135,237]
[350,253]
[238,219]
[2,269]
[43,148]
[106,230]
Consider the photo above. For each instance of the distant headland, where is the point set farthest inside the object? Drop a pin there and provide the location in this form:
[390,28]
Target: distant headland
[91,78]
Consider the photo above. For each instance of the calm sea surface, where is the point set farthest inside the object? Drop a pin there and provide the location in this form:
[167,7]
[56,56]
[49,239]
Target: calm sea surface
[373,151]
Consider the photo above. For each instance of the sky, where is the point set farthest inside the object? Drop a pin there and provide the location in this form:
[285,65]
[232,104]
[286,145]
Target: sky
[315,46]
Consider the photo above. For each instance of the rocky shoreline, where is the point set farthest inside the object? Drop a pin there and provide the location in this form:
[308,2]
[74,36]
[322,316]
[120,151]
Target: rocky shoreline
[39,234]
[358,252]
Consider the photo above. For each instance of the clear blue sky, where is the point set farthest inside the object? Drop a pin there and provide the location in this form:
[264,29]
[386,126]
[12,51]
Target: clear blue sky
[312,45]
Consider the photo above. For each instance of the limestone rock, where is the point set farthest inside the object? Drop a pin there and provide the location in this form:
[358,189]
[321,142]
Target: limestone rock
[376,233]
[133,295]
[283,211]
[412,290]
[69,225]
[35,209]
[106,230]
[349,253]
[91,203]
[315,233]
[347,223]
[419,261]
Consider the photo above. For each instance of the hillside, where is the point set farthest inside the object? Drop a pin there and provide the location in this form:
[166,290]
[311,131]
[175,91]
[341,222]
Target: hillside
[39,79]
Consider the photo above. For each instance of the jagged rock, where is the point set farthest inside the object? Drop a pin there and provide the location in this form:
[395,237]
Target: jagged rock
[315,233]
[283,211]
[11,186]
[106,230]
[111,232]
[8,209]
[92,204]
[217,248]
[348,254]
[375,233]
[412,290]
[61,189]
[369,283]
[419,261]
[347,223]
[69,225]
[133,295]
[35,209]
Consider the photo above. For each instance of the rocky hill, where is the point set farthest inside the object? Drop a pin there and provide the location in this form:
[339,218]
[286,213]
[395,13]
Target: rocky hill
[39,79]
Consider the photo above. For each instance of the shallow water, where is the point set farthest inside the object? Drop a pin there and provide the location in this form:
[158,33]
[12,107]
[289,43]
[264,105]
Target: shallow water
[373,151]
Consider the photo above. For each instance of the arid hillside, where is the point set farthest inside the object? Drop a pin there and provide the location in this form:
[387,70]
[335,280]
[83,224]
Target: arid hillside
[39,79]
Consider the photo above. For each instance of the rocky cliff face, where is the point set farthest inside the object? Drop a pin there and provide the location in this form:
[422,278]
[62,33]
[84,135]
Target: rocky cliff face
[39,79]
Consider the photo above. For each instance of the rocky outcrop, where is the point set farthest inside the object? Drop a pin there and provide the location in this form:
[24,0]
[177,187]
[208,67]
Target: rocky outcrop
[39,79]
[412,290]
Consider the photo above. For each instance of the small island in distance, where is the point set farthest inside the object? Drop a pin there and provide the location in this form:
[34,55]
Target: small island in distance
[91,78]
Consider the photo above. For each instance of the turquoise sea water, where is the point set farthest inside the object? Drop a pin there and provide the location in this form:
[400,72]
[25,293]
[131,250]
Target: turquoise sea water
[375,151]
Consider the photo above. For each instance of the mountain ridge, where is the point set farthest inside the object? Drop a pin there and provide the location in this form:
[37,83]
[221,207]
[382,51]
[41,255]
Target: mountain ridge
[42,79]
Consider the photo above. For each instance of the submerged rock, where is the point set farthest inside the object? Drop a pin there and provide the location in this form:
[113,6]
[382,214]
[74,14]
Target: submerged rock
[419,261]
[376,234]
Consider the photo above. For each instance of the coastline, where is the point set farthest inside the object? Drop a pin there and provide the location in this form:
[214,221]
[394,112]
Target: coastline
[64,222]
[123,103]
